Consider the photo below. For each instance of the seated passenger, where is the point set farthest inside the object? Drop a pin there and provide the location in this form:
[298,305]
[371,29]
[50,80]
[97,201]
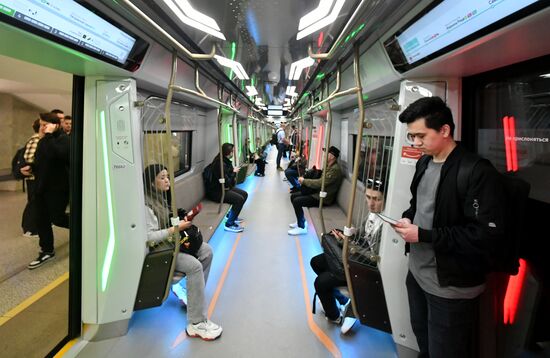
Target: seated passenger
[292,174]
[259,159]
[333,179]
[194,263]
[330,276]
[233,195]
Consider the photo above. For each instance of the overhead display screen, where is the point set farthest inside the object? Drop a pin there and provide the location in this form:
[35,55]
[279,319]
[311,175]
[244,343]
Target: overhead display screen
[451,21]
[71,22]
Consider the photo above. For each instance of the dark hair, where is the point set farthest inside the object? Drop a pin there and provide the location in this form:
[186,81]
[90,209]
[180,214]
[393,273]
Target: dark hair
[50,118]
[36,125]
[435,112]
[68,117]
[227,148]
[376,184]
[149,175]
[56,111]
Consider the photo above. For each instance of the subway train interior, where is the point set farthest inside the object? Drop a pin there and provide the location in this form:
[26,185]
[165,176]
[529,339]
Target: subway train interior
[136,108]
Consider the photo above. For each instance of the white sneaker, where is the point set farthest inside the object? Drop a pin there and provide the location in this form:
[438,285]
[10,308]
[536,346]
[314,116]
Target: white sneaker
[347,324]
[295,224]
[30,234]
[181,293]
[207,330]
[298,231]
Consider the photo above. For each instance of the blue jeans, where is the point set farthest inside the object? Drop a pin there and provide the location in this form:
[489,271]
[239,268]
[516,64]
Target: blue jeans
[280,151]
[299,201]
[444,328]
[292,176]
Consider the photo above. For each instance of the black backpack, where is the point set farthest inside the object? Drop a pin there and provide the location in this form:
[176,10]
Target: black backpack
[506,256]
[273,140]
[18,162]
[207,176]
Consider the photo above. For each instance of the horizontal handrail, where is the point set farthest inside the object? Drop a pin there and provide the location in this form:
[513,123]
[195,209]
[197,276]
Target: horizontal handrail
[167,36]
[335,95]
[204,96]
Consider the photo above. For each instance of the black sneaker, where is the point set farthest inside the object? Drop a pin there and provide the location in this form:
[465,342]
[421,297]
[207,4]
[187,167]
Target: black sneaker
[42,258]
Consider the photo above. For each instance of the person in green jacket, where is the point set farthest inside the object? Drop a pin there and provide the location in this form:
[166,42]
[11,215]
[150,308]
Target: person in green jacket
[333,179]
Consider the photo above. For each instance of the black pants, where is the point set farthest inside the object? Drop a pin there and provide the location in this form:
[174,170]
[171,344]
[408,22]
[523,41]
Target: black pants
[28,220]
[50,209]
[325,286]
[300,201]
[281,147]
[444,328]
[236,197]
[260,166]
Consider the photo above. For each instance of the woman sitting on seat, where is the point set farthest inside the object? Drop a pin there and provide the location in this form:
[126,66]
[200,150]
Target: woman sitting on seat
[195,265]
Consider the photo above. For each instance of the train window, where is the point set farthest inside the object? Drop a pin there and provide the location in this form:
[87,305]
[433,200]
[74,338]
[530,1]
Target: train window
[179,146]
[511,108]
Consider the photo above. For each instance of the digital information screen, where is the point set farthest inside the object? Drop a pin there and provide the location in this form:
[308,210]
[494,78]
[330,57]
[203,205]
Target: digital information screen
[74,23]
[451,21]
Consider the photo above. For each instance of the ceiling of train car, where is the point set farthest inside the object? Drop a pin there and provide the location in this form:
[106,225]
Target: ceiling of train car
[261,35]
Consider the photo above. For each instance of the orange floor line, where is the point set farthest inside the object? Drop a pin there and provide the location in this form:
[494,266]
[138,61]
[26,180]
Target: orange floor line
[182,336]
[222,279]
[325,340]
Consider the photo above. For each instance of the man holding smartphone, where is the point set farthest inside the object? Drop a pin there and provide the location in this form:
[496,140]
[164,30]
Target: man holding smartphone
[51,170]
[448,238]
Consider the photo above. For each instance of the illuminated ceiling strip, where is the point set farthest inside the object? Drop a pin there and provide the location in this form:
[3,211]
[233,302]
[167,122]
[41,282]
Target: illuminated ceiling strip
[251,91]
[318,14]
[297,67]
[109,253]
[323,22]
[189,16]
[234,65]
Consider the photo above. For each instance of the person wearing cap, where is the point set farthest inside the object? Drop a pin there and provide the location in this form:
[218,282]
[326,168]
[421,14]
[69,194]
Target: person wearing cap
[50,168]
[333,179]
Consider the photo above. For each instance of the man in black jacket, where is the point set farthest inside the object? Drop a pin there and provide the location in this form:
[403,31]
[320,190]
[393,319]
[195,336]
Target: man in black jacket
[449,238]
[50,168]
[233,195]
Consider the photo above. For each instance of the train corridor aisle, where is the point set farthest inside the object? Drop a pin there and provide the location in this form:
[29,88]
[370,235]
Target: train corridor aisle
[256,292]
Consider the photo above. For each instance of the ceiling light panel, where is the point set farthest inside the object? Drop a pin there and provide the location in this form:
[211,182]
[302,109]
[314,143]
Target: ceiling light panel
[322,22]
[297,67]
[189,16]
[234,65]
[251,91]
[320,12]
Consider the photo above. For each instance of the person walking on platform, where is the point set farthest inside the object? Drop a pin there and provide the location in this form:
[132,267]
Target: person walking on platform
[194,262]
[448,240]
[29,220]
[51,170]
[233,195]
[333,179]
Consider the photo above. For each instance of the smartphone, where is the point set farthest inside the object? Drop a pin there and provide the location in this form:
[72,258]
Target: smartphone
[387,219]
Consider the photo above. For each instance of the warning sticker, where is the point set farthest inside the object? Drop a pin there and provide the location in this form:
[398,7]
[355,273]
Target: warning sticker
[409,155]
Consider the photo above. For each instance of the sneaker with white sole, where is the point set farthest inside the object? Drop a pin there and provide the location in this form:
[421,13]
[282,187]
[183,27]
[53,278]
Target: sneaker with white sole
[337,321]
[298,231]
[181,293]
[207,330]
[30,234]
[347,324]
[233,228]
[42,258]
[239,221]
[295,224]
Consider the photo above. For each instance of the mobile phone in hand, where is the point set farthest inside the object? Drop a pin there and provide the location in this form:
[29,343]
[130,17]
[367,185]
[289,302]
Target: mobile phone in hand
[387,219]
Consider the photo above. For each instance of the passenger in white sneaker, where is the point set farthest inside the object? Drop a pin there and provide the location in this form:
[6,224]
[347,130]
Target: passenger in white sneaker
[329,267]
[194,262]
[333,179]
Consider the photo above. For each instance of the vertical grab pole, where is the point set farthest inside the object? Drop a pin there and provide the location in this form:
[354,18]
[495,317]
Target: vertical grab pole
[355,173]
[168,138]
[222,174]
[323,194]
[234,133]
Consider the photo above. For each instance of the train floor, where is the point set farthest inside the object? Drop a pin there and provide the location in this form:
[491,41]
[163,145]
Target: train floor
[260,290]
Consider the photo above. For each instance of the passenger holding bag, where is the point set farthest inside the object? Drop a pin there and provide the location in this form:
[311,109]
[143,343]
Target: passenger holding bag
[194,260]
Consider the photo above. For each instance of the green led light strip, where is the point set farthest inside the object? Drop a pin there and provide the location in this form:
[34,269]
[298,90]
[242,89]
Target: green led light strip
[233,52]
[111,244]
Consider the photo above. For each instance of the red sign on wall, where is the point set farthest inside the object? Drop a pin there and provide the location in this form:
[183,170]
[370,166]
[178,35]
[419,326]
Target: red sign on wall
[409,155]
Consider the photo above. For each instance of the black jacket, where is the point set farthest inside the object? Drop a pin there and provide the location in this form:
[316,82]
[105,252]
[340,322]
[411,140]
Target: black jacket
[51,163]
[464,230]
[214,188]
